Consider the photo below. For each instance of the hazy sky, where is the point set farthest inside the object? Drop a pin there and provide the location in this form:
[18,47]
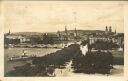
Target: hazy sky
[51,17]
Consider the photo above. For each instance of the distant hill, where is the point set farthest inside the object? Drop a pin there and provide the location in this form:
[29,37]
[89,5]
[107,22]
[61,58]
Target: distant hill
[84,31]
[29,33]
[26,33]
[69,31]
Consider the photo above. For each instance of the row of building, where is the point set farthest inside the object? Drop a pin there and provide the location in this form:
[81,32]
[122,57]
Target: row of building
[45,38]
[60,36]
[108,36]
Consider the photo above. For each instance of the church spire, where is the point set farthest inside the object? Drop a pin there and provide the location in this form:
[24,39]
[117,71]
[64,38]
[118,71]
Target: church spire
[115,31]
[110,29]
[74,13]
[9,32]
[106,29]
[66,31]
[75,32]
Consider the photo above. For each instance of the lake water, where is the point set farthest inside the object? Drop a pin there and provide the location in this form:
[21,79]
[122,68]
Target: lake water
[118,71]
[29,51]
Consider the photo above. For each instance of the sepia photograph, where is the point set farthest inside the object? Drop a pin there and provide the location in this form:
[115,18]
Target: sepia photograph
[63,39]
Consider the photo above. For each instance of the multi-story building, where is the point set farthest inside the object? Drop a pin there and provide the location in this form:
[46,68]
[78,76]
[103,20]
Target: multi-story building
[108,36]
[15,39]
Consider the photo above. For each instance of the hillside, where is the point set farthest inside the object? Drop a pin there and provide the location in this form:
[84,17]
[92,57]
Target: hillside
[84,31]
[69,31]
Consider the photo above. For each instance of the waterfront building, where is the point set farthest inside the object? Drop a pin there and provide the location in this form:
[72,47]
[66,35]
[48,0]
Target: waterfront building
[25,40]
[118,38]
[15,39]
[51,38]
[109,36]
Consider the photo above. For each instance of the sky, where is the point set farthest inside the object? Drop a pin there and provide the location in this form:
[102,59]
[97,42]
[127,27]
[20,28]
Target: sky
[51,17]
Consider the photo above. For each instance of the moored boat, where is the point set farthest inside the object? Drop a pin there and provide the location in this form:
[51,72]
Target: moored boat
[21,58]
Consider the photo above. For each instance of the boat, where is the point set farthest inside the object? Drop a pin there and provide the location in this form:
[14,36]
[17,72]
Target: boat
[13,58]
[21,58]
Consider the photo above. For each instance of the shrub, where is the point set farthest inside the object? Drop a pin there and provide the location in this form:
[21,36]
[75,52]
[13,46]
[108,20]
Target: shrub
[104,45]
[93,62]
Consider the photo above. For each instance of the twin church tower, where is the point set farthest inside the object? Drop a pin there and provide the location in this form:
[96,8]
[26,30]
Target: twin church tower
[108,30]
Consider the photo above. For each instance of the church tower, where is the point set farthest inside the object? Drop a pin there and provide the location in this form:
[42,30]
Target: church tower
[106,30]
[110,29]
[66,31]
[58,32]
[115,31]
[75,32]
[9,32]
